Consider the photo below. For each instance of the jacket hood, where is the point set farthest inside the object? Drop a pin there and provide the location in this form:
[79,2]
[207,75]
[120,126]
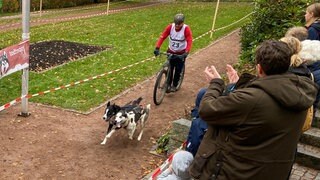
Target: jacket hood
[291,91]
[180,164]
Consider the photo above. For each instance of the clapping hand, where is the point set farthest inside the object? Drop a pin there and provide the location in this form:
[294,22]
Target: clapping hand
[232,74]
[211,73]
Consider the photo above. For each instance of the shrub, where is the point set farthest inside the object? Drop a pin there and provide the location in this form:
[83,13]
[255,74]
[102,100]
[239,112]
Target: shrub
[270,20]
[10,6]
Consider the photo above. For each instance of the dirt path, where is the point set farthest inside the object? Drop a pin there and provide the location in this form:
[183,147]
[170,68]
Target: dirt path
[58,144]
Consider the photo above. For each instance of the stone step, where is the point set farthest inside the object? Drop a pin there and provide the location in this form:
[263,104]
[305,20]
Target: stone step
[311,137]
[308,156]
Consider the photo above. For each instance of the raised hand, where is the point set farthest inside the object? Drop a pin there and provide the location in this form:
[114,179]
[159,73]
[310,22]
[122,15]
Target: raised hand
[211,73]
[232,74]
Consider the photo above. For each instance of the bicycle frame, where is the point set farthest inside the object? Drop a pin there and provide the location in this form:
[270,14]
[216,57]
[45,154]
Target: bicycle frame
[162,84]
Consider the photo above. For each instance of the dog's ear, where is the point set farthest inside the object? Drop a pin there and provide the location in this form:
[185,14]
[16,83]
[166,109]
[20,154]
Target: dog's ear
[118,108]
[108,104]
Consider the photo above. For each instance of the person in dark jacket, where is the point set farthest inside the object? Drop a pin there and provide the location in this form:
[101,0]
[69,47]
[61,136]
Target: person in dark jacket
[312,18]
[253,131]
[198,126]
[310,56]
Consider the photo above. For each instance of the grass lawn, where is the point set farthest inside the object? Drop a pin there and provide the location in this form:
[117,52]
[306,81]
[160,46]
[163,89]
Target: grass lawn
[132,35]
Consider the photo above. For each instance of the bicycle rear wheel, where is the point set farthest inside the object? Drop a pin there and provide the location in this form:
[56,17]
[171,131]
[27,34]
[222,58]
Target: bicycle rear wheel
[181,78]
[160,87]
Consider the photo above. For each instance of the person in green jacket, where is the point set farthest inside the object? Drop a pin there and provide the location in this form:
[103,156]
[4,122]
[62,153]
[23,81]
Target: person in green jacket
[253,131]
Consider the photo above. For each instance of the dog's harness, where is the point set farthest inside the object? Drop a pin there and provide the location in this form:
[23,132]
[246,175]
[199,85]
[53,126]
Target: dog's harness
[138,111]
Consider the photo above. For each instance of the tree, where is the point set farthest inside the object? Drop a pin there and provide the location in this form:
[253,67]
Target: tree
[270,20]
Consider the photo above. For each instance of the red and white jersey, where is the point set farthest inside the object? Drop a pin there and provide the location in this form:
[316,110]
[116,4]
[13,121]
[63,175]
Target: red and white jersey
[180,41]
[177,40]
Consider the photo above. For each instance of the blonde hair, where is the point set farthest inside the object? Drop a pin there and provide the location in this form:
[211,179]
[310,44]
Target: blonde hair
[299,32]
[295,47]
[313,9]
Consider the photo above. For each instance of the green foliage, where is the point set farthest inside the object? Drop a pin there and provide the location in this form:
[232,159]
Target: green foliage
[270,20]
[162,143]
[10,6]
[48,4]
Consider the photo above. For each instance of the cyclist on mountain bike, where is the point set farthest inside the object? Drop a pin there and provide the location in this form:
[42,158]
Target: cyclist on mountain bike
[180,43]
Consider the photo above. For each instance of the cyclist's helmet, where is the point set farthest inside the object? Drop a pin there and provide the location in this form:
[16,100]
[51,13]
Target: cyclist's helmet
[178,18]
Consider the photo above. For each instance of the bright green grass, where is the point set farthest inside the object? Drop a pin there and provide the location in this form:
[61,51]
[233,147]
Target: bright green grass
[60,13]
[131,34]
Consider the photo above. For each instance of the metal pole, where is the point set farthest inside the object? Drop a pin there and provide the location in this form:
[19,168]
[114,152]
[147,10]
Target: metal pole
[40,7]
[108,7]
[25,72]
[214,18]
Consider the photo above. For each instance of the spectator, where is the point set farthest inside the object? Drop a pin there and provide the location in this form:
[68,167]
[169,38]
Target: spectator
[310,56]
[257,126]
[295,46]
[299,32]
[198,126]
[312,18]
[178,169]
[180,43]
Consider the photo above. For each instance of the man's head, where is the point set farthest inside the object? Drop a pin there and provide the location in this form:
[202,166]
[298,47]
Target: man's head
[272,57]
[298,32]
[178,20]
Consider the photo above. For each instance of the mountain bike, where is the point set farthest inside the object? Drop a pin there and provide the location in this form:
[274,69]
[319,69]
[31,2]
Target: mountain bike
[161,86]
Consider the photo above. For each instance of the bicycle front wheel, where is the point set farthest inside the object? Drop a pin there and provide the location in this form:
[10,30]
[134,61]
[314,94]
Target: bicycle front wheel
[160,87]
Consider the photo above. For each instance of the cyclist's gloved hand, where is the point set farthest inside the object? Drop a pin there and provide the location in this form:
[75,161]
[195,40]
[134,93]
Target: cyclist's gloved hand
[156,52]
[185,55]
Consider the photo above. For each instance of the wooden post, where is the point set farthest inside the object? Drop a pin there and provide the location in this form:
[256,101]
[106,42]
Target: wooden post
[40,7]
[214,18]
[108,7]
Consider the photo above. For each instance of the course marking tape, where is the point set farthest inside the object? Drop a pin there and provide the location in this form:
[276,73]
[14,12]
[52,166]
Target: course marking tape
[165,165]
[74,18]
[7,105]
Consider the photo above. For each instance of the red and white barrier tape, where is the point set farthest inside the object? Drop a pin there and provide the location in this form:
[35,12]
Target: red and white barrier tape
[165,165]
[74,18]
[7,105]
[204,34]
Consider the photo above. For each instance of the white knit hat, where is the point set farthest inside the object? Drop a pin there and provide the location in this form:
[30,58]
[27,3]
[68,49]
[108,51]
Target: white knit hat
[180,164]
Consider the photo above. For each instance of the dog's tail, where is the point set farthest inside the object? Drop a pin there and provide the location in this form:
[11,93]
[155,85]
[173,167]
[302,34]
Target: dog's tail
[137,101]
[146,111]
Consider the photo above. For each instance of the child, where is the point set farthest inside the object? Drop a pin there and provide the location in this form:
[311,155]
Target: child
[179,167]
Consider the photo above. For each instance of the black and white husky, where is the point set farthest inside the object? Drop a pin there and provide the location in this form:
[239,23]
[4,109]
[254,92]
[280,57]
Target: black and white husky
[127,117]
[4,64]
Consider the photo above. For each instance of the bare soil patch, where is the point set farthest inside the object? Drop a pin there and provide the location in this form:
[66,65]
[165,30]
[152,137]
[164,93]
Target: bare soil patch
[58,144]
[48,54]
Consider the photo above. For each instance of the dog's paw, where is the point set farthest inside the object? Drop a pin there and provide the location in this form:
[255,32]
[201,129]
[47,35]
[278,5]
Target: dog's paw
[103,143]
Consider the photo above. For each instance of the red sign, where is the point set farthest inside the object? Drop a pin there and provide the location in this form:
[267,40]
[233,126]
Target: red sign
[14,58]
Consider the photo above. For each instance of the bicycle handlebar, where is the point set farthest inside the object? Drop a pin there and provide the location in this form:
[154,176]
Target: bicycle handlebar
[173,55]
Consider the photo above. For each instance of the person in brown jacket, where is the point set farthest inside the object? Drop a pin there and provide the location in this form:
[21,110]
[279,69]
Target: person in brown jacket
[253,131]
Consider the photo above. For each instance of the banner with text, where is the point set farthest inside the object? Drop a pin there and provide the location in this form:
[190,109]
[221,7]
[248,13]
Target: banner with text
[14,58]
